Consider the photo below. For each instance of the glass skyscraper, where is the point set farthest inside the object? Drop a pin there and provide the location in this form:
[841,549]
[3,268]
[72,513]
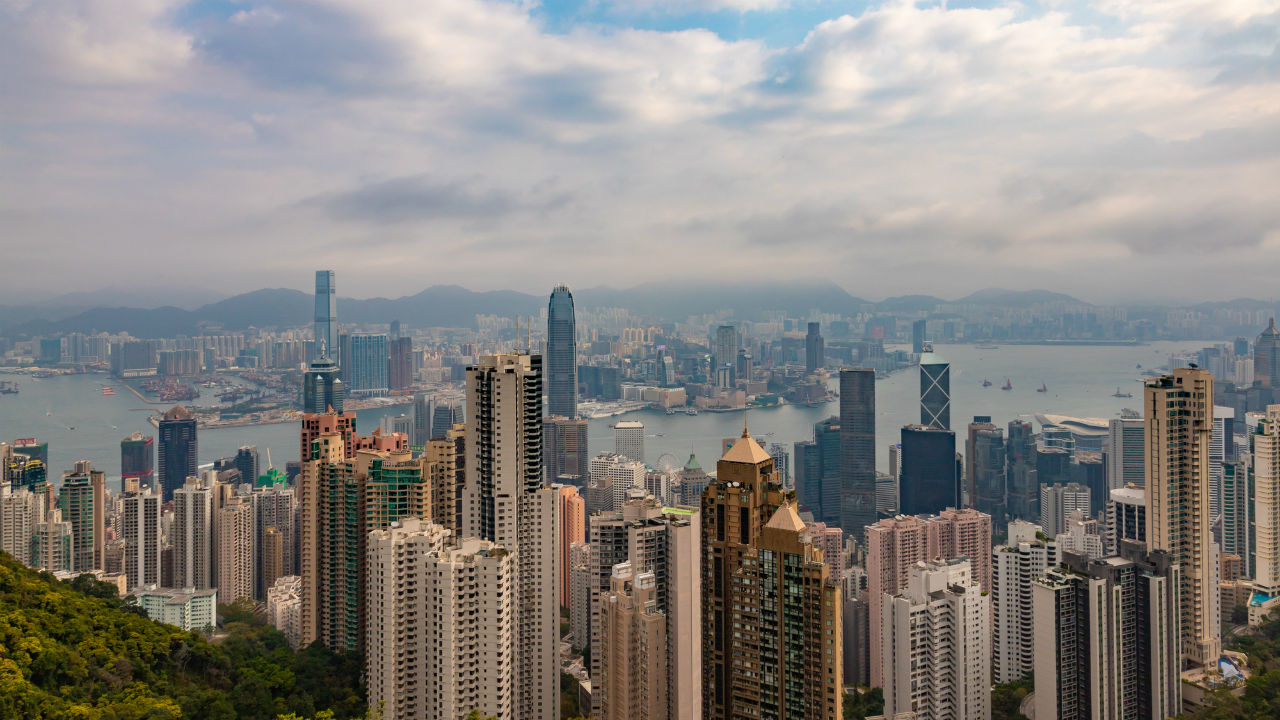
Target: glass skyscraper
[562,355]
[935,391]
[367,364]
[857,450]
[326,317]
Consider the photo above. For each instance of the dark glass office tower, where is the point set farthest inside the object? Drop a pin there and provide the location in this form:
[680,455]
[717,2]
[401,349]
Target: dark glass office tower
[247,463]
[935,391]
[177,453]
[917,336]
[857,450]
[326,317]
[985,469]
[562,355]
[322,389]
[928,484]
[138,459]
[1266,357]
[1023,484]
[814,349]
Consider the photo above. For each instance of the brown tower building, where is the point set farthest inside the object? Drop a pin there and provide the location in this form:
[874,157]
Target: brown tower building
[767,600]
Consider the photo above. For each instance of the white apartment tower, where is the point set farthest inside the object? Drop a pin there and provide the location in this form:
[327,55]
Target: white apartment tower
[1266,502]
[441,624]
[505,503]
[20,511]
[140,530]
[235,550]
[191,535]
[618,472]
[936,637]
[1026,557]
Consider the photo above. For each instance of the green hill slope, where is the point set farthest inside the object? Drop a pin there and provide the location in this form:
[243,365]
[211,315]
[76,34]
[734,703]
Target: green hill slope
[73,651]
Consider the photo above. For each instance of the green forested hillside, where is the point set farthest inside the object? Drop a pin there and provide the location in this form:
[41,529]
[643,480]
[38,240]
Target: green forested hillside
[73,651]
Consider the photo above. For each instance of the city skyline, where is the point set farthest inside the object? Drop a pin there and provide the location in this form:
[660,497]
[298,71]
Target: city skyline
[1092,140]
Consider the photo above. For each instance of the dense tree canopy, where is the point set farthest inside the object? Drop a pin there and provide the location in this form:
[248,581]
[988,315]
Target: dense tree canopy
[72,650]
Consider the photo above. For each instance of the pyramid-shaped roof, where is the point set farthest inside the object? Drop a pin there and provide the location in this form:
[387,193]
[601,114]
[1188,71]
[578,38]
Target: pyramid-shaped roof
[746,450]
[786,518]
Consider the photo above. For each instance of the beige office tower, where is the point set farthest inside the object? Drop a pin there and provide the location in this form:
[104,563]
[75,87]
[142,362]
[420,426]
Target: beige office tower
[895,545]
[573,529]
[20,512]
[441,625]
[666,543]
[140,530]
[191,535]
[504,502]
[1179,423]
[633,682]
[1266,502]
[936,636]
[235,550]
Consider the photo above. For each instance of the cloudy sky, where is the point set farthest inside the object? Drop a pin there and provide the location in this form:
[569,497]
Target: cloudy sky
[1113,149]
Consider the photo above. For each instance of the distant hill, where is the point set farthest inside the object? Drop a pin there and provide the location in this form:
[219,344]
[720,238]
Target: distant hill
[675,300]
[1012,298]
[75,651]
[909,303]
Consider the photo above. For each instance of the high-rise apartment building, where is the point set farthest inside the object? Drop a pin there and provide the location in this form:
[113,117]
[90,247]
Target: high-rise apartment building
[857,450]
[928,481]
[935,391]
[20,512]
[1179,422]
[51,546]
[582,588]
[1125,453]
[82,500]
[1057,502]
[896,544]
[814,348]
[564,450]
[613,477]
[1266,503]
[628,439]
[573,529]
[326,317]
[562,355]
[177,450]
[1126,518]
[191,534]
[633,663]
[744,496]
[137,461]
[1238,519]
[1026,557]
[985,468]
[936,636]
[442,627]
[275,507]
[235,551]
[724,355]
[1106,638]
[504,502]
[140,530]
[1022,480]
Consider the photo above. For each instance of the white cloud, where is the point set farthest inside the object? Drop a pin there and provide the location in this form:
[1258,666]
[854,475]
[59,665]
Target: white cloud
[906,148]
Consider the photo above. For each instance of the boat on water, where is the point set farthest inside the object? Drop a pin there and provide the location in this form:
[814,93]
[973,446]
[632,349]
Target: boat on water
[106,390]
[1043,388]
[691,411]
[1119,394]
[1008,384]
[987,346]
[986,383]
[8,387]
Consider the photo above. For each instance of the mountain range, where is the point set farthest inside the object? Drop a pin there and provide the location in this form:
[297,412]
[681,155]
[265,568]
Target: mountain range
[454,306]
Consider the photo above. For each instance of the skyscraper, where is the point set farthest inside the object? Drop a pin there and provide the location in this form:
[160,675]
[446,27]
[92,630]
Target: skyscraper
[140,530]
[326,329]
[935,391]
[82,500]
[1266,357]
[235,550]
[724,354]
[1106,638]
[366,365]
[564,450]
[1024,486]
[562,354]
[322,388]
[1057,502]
[247,463]
[819,472]
[191,535]
[936,636]
[274,509]
[628,439]
[504,502]
[857,450]
[735,508]
[400,363]
[1125,454]
[1023,559]
[814,348]
[928,483]
[1179,423]
[985,471]
[178,449]
[918,337]
[137,461]
[20,512]
[633,663]
[1266,503]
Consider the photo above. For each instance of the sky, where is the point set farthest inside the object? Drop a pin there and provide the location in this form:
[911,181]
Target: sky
[1115,149]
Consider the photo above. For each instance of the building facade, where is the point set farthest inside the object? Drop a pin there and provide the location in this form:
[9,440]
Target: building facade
[562,355]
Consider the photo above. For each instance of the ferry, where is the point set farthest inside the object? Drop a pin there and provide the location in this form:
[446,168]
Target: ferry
[1008,384]
[1119,394]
